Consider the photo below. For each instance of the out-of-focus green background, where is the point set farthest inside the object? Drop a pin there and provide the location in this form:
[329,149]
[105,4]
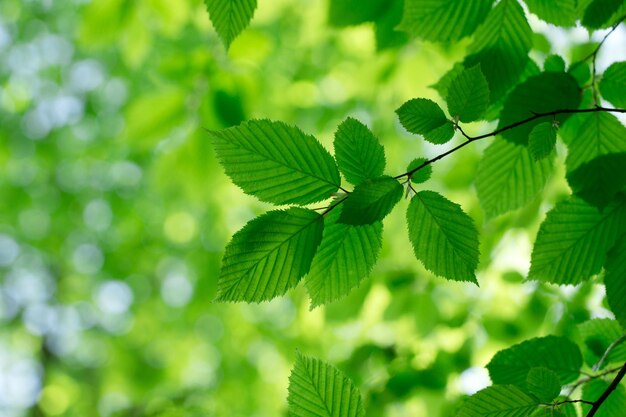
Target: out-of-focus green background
[114,214]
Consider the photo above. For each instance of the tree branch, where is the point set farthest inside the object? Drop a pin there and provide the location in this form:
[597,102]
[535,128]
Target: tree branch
[535,116]
[608,351]
[598,403]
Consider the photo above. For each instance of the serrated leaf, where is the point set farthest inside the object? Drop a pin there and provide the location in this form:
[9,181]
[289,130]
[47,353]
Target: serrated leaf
[424,117]
[597,335]
[613,406]
[499,401]
[276,162]
[468,95]
[615,282]
[613,84]
[542,140]
[345,257]
[443,20]
[594,162]
[508,178]
[230,17]
[269,255]
[443,85]
[563,410]
[371,201]
[543,93]
[543,383]
[421,175]
[599,13]
[558,12]
[317,389]
[444,238]
[501,45]
[359,154]
[573,240]
[511,366]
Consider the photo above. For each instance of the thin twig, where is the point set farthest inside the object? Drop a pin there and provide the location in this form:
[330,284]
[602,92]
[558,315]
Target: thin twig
[592,377]
[607,352]
[598,403]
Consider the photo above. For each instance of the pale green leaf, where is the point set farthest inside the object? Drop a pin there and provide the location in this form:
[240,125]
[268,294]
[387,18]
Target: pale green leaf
[573,240]
[424,117]
[508,178]
[276,162]
[359,154]
[230,17]
[468,95]
[444,238]
[317,389]
[443,20]
[501,45]
[613,84]
[557,12]
[543,383]
[269,255]
[421,175]
[543,93]
[345,257]
[613,406]
[542,140]
[371,201]
[615,280]
[511,366]
[597,335]
[499,401]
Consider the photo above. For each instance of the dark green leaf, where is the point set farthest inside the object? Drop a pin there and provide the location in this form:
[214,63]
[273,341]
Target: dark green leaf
[230,17]
[557,12]
[371,201]
[276,162]
[613,406]
[443,85]
[444,238]
[542,93]
[424,117]
[613,84]
[269,255]
[615,281]
[508,178]
[573,241]
[599,13]
[443,20]
[421,175]
[543,383]
[354,12]
[317,389]
[599,180]
[499,401]
[597,335]
[387,35]
[359,154]
[542,140]
[558,354]
[554,63]
[468,95]
[345,256]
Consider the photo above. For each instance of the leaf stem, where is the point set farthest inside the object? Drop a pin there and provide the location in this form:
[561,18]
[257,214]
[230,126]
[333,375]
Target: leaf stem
[598,403]
[608,350]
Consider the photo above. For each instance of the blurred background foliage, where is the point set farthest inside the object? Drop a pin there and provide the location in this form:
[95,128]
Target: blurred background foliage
[115,213]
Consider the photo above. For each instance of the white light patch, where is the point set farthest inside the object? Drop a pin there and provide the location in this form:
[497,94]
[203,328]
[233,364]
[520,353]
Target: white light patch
[176,289]
[473,380]
[114,297]
[512,253]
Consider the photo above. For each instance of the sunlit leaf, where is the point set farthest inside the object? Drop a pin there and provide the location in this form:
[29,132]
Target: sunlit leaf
[613,84]
[359,154]
[424,117]
[557,12]
[543,383]
[423,174]
[444,238]
[468,95]
[541,140]
[615,281]
[371,201]
[613,406]
[230,17]
[498,401]
[269,255]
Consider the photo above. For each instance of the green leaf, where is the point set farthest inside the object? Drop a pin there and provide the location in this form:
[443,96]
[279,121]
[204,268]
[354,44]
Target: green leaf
[269,255]
[359,154]
[563,410]
[423,174]
[276,162]
[599,13]
[613,84]
[597,335]
[558,12]
[554,63]
[615,282]
[543,93]
[501,45]
[542,140]
[443,20]
[371,201]
[508,178]
[558,354]
[317,389]
[468,95]
[543,383]
[345,257]
[444,238]
[498,401]
[424,117]
[343,13]
[595,157]
[613,406]
[443,85]
[386,32]
[230,17]
[573,240]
